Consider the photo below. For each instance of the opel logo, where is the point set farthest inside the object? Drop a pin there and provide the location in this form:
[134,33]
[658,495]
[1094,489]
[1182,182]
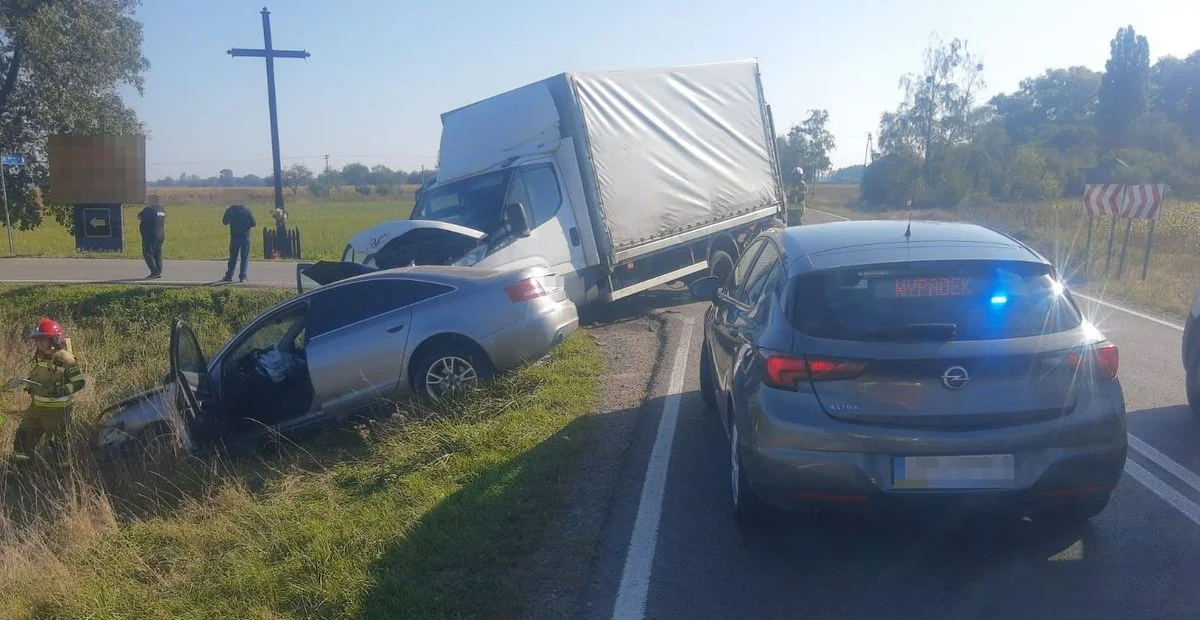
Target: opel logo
[955,378]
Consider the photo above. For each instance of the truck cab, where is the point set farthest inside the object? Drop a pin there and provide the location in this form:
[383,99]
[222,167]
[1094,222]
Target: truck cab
[524,210]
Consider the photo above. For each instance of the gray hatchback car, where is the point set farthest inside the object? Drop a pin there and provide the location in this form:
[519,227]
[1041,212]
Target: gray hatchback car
[888,364]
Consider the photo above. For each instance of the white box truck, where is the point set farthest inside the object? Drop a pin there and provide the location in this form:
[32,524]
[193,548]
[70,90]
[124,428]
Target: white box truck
[619,181]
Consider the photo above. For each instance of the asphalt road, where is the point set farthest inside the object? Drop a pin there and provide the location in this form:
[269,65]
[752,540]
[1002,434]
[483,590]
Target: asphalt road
[129,271]
[671,550]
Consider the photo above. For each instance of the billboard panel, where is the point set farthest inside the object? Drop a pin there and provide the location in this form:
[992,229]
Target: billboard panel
[97,169]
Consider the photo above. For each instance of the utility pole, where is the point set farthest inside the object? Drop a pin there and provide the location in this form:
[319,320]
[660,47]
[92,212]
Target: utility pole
[326,163]
[270,54]
[867,155]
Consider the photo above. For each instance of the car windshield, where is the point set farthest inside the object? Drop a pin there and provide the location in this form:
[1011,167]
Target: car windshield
[476,202]
[959,300]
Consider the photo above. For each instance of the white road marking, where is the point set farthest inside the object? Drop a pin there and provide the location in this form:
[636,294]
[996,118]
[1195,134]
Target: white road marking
[1139,315]
[1168,494]
[635,578]
[840,217]
[1158,458]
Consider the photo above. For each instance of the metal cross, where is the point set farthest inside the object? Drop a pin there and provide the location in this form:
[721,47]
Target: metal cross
[271,54]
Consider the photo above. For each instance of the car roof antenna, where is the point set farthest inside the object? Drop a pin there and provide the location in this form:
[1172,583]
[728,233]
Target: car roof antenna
[908,229]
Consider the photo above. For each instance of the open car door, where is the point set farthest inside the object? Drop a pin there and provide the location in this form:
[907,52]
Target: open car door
[311,276]
[189,371]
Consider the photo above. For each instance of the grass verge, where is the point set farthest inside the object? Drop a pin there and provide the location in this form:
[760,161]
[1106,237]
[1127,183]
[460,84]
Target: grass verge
[418,514]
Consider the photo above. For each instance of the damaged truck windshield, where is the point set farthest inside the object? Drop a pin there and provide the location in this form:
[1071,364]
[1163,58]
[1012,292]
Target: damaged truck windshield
[474,202]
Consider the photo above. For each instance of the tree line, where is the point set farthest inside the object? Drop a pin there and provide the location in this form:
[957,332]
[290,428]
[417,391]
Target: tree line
[62,64]
[379,179]
[1134,122]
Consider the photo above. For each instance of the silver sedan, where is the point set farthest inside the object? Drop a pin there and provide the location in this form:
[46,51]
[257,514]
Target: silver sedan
[351,339]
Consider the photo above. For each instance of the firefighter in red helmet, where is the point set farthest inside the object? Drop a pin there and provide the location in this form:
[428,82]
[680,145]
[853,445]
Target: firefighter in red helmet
[54,378]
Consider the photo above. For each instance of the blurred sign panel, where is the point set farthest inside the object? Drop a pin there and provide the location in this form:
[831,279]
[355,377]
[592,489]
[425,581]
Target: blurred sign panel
[99,228]
[108,169]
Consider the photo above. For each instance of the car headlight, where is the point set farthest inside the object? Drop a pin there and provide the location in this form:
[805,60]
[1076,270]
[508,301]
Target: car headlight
[472,257]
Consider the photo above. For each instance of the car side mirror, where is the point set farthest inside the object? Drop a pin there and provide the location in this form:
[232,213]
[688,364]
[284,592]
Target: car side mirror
[705,289]
[518,219]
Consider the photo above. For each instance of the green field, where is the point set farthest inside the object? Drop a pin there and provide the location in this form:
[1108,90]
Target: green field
[420,513]
[194,230]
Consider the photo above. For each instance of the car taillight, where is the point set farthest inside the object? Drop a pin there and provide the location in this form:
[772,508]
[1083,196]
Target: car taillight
[1107,358]
[525,290]
[785,371]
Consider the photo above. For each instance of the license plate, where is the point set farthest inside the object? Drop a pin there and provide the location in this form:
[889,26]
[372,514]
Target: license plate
[984,471]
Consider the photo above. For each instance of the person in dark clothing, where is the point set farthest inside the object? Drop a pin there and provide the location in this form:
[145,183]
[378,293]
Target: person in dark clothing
[240,221]
[152,226]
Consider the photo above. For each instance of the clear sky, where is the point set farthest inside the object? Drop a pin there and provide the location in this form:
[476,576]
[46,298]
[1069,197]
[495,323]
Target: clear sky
[381,71]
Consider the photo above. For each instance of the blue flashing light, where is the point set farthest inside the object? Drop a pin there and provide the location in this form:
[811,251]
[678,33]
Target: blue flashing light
[999,299]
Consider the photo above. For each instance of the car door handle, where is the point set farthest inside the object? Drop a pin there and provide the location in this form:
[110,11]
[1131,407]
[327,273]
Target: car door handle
[395,328]
[574,232]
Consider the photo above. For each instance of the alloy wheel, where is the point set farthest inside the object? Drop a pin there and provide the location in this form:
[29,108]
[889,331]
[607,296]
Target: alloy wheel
[448,375]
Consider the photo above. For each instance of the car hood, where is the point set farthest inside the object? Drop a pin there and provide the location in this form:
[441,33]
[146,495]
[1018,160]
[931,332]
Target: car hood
[155,393]
[125,418]
[369,241]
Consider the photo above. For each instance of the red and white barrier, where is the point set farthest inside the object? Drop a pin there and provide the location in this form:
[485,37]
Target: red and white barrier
[1143,202]
[1102,199]
[1138,202]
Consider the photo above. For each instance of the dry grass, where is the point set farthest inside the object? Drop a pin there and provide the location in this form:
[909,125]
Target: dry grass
[1059,230]
[416,514]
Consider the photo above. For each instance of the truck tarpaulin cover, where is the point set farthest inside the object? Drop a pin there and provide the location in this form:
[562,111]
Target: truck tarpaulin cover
[677,147]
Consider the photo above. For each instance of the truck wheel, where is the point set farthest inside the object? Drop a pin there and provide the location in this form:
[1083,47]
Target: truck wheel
[720,264]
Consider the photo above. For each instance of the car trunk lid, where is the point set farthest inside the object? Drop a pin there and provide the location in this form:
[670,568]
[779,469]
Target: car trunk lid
[952,387]
[941,345]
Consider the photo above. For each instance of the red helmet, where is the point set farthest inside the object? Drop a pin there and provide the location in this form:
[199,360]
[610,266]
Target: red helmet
[47,328]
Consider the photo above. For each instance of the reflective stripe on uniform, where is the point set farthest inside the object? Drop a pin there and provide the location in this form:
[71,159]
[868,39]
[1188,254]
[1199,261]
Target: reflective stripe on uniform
[51,403]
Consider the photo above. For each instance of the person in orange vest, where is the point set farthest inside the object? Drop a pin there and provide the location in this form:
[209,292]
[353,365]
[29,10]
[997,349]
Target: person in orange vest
[55,376]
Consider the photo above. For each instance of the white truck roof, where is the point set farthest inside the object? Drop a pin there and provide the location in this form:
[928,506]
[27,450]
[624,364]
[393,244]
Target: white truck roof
[667,149]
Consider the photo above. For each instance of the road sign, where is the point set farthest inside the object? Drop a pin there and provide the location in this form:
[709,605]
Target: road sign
[12,160]
[97,223]
[98,228]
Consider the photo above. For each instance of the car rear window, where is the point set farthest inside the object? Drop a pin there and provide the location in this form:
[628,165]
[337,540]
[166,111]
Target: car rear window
[981,300]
